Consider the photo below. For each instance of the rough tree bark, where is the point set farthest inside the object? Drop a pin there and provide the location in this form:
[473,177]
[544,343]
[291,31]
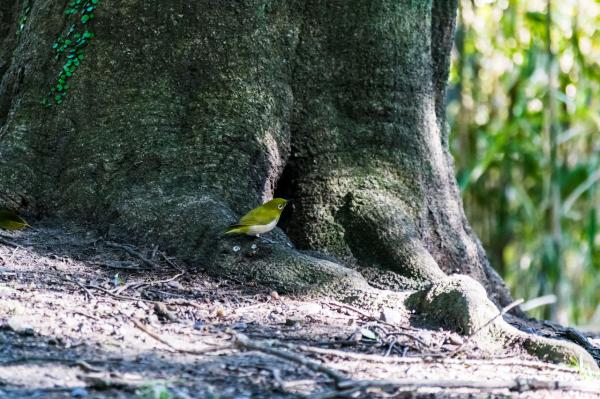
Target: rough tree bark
[183,115]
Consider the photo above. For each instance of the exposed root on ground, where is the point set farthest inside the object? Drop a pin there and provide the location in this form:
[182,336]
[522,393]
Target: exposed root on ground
[456,302]
[461,304]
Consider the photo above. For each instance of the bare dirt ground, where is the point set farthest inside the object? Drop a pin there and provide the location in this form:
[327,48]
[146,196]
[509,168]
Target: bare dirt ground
[82,317]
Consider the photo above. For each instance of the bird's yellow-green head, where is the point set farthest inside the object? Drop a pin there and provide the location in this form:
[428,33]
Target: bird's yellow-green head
[275,206]
[261,219]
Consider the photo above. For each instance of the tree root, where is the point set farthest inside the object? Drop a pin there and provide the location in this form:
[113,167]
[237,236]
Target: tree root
[456,302]
[461,304]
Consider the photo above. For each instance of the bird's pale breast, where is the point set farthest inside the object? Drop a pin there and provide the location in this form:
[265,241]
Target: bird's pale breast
[261,228]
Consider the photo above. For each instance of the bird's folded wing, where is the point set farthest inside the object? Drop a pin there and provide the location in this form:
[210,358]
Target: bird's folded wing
[258,216]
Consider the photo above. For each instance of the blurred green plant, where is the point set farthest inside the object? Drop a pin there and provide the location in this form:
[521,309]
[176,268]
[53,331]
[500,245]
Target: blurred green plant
[154,390]
[523,107]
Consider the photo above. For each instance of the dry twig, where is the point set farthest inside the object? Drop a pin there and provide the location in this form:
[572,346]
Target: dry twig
[88,367]
[363,314]
[245,342]
[171,263]
[131,298]
[365,357]
[88,293]
[9,243]
[184,302]
[133,253]
[174,348]
[516,385]
[157,337]
[146,283]
[118,296]
[355,310]
[120,266]
[375,319]
[85,314]
[414,338]
[84,364]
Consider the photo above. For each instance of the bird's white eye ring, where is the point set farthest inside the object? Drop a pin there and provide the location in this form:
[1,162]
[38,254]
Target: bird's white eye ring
[280,206]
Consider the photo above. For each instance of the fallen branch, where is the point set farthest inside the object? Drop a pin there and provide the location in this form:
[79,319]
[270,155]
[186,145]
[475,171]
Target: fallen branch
[365,357]
[335,394]
[244,342]
[515,385]
[347,386]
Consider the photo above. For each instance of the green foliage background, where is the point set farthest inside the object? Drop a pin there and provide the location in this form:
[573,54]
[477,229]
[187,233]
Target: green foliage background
[507,75]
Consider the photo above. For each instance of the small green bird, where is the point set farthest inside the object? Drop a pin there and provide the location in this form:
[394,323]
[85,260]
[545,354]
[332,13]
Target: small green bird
[9,220]
[259,220]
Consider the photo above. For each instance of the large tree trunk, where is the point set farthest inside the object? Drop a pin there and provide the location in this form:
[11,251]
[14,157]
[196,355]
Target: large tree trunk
[183,115]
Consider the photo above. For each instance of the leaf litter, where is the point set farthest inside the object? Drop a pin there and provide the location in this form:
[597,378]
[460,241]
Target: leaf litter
[85,317]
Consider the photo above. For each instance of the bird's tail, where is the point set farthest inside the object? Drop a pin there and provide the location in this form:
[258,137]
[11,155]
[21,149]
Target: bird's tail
[234,229]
